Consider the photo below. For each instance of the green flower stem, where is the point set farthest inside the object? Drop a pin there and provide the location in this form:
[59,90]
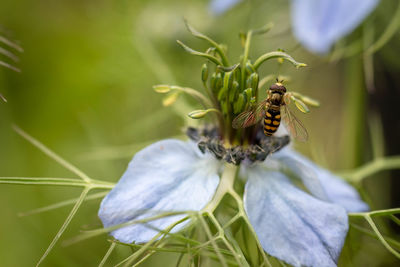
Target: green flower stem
[211,95]
[199,35]
[128,261]
[245,58]
[229,118]
[52,155]
[389,32]
[368,59]
[209,236]
[194,93]
[56,182]
[377,165]
[107,255]
[354,113]
[380,237]
[216,105]
[243,215]
[376,213]
[65,224]
[277,54]
[225,186]
[200,54]
[6,65]
[62,204]
[373,235]
[395,219]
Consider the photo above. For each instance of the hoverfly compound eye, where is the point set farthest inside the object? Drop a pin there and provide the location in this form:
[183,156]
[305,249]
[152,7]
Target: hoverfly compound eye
[278,87]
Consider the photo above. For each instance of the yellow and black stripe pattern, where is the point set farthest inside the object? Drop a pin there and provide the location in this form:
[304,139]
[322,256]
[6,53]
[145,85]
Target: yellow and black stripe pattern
[272,120]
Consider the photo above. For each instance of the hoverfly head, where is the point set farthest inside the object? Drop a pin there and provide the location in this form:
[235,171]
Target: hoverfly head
[278,88]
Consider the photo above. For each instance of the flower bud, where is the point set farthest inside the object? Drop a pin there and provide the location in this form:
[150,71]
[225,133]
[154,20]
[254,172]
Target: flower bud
[250,68]
[162,88]
[234,91]
[239,104]
[170,99]
[218,83]
[204,72]
[252,82]
[197,114]
[249,93]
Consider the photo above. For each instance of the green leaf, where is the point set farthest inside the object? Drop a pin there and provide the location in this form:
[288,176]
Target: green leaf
[228,69]
[264,29]
[389,32]
[277,54]
[200,54]
[202,36]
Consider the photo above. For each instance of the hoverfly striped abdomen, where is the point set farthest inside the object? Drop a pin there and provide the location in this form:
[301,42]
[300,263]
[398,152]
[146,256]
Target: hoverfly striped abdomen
[272,120]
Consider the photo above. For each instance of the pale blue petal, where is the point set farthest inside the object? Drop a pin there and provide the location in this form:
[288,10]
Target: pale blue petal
[221,6]
[301,169]
[335,189]
[318,24]
[341,193]
[292,225]
[166,176]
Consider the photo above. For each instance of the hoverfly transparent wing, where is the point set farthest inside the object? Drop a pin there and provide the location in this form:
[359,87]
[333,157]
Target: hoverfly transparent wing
[250,117]
[294,126]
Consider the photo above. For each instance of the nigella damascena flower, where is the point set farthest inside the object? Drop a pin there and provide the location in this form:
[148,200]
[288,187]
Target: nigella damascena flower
[297,209]
[221,6]
[319,24]
[298,227]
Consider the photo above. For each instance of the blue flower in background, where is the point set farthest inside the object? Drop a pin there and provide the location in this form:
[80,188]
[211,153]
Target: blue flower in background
[292,225]
[221,6]
[318,24]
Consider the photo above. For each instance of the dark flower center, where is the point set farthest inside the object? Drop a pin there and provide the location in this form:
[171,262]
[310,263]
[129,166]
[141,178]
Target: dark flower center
[208,139]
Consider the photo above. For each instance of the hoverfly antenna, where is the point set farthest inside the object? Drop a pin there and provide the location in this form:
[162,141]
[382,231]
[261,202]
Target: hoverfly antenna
[277,79]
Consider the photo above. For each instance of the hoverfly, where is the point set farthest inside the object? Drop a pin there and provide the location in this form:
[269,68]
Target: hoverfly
[271,109]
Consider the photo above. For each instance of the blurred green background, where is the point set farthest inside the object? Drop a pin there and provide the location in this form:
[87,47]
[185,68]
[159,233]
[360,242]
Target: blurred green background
[85,91]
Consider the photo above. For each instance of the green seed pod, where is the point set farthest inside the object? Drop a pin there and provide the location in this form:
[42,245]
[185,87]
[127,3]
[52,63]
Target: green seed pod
[239,104]
[227,86]
[233,93]
[228,79]
[213,81]
[252,82]
[250,68]
[222,93]
[249,94]
[218,82]
[204,72]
